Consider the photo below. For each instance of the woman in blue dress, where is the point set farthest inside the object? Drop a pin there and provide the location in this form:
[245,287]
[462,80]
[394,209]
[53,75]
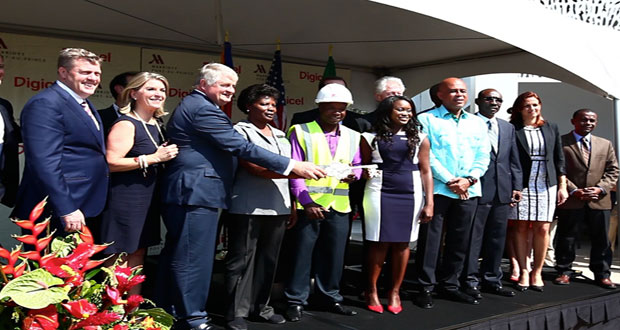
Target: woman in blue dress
[397,196]
[135,151]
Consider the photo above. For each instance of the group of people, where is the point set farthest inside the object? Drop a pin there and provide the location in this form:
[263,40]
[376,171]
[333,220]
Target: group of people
[447,178]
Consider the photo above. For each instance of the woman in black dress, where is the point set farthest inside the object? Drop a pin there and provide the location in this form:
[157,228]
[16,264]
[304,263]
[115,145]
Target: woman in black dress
[135,151]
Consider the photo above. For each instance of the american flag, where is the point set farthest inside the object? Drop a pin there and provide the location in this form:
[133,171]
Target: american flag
[275,80]
[226,59]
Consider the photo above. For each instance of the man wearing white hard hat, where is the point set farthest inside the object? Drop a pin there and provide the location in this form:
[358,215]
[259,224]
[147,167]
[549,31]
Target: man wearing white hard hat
[320,234]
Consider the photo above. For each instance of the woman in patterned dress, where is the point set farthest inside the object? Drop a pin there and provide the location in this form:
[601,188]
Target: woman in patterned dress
[400,194]
[540,153]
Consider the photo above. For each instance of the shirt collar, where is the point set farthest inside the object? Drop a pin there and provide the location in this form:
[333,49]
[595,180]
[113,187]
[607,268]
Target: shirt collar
[74,95]
[579,137]
[443,112]
[493,120]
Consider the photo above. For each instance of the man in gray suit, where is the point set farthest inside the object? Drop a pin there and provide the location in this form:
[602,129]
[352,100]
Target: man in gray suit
[196,184]
[501,187]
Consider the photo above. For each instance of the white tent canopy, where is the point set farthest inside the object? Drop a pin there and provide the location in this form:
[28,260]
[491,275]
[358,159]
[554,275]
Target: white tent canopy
[434,39]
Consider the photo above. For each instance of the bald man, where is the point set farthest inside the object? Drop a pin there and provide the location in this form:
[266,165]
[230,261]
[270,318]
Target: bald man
[459,157]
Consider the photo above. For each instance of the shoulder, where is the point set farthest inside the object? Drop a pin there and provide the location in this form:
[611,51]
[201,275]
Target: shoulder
[600,140]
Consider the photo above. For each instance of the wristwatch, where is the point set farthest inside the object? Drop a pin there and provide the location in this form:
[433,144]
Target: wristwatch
[472,180]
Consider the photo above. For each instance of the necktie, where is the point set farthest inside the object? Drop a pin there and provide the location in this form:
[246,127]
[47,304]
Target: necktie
[492,135]
[585,150]
[90,113]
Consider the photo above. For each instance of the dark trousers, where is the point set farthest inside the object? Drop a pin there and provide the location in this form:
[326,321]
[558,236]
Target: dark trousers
[186,263]
[318,252]
[457,215]
[568,231]
[487,239]
[253,249]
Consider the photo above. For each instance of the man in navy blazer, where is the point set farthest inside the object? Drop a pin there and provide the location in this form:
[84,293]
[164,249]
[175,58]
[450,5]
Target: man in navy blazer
[501,186]
[196,184]
[63,144]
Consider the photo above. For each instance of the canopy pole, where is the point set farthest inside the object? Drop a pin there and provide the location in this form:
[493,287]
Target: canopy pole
[616,102]
[219,22]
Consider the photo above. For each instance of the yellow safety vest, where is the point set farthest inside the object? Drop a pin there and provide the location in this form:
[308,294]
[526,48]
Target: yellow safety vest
[327,192]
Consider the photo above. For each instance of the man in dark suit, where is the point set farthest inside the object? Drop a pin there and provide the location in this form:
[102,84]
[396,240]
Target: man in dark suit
[591,172]
[63,144]
[110,114]
[501,186]
[197,184]
[9,140]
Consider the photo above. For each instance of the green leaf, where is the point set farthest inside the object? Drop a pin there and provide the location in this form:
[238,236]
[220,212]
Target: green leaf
[34,290]
[158,314]
[63,246]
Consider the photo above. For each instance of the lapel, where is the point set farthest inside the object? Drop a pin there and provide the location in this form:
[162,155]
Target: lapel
[520,133]
[77,110]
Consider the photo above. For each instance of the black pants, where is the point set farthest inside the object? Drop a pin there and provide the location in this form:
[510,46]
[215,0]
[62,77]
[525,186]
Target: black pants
[457,215]
[253,249]
[487,240]
[568,231]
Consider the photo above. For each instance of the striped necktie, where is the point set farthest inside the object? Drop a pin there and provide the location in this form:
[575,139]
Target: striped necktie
[585,150]
[90,113]
[492,136]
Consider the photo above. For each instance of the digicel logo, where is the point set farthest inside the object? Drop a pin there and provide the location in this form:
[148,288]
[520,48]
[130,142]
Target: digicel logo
[107,57]
[2,44]
[177,92]
[312,77]
[34,85]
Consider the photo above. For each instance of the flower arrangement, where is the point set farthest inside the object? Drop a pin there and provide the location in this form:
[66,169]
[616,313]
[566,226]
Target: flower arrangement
[53,285]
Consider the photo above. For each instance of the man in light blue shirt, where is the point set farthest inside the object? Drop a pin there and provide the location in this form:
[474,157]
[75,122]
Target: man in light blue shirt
[460,150]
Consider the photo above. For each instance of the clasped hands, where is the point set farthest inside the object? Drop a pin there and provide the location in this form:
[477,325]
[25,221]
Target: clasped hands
[588,193]
[459,186]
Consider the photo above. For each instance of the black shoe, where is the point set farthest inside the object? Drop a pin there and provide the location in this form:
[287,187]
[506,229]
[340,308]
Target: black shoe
[238,323]
[498,290]
[459,296]
[275,319]
[181,325]
[537,288]
[521,288]
[294,312]
[337,308]
[473,292]
[424,299]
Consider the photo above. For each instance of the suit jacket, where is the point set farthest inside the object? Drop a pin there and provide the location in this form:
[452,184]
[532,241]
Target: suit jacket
[352,120]
[65,156]
[553,149]
[602,170]
[202,173]
[108,117]
[504,172]
[9,160]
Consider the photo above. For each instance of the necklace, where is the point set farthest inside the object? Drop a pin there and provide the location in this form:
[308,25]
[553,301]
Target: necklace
[136,116]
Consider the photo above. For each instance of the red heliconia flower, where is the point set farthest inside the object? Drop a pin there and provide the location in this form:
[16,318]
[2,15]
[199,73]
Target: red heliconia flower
[80,309]
[121,327]
[8,269]
[32,255]
[43,242]
[14,255]
[86,236]
[133,302]
[25,224]
[12,258]
[27,239]
[41,319]
[101,318]
[19,270]
[4,253]
[90,264]
[78,258]
[40,227]
[114,296]
[38,210]
[55,265]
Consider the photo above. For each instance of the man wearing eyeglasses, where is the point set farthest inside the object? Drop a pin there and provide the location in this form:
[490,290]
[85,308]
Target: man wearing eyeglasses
[501,188]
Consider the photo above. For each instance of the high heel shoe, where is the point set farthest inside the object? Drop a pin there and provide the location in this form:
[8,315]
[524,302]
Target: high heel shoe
[537,288]
[521,288]
[377,308]
[395,309]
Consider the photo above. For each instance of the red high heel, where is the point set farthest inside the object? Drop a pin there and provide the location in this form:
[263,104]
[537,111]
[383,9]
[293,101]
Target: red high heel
[376,309]
[395,309]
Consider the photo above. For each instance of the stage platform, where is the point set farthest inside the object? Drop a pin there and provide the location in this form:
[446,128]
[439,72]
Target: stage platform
[579,305]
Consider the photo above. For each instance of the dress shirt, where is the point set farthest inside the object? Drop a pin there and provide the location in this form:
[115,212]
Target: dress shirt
[77,98]
[579,140]
[298,186]
[494,127]
[459,148]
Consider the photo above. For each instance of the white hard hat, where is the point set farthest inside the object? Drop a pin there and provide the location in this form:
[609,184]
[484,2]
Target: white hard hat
[334,93]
